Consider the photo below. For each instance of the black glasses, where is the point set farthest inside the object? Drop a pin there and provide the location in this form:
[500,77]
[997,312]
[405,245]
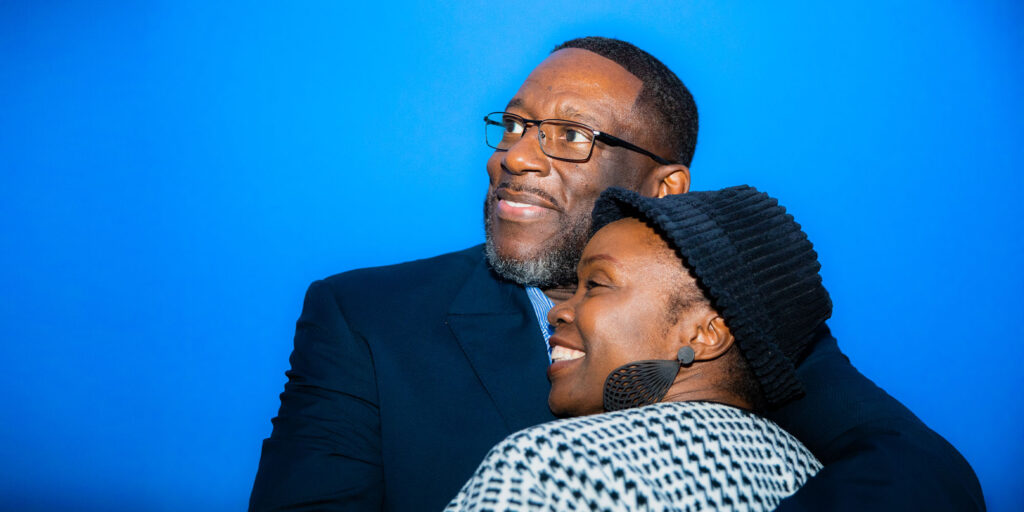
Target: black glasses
[564,140]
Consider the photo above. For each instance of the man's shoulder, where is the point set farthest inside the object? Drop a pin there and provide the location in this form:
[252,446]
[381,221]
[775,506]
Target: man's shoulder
[437,276]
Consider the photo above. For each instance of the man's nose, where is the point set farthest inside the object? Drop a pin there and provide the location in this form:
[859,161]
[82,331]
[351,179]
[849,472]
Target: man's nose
[526,155]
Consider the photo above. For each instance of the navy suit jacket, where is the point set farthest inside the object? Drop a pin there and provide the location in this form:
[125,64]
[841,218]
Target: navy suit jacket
[403,377]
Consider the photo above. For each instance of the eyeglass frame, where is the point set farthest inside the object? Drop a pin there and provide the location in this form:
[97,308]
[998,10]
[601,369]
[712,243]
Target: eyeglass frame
[607,138]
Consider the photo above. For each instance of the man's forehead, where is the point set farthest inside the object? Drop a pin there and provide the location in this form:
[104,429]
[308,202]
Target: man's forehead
[582,77]
[585,66]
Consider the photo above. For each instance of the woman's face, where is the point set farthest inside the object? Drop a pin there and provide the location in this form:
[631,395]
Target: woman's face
[619,314]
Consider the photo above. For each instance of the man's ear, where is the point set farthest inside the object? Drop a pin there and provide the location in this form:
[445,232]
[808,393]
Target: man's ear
[667,179]
[711,339]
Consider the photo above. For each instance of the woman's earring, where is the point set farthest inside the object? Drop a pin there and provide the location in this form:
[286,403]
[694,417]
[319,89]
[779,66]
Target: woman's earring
[686,355]
[643,382]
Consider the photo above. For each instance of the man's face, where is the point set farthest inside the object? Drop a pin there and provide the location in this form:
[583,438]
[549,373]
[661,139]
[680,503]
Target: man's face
[619,314]
[537,210]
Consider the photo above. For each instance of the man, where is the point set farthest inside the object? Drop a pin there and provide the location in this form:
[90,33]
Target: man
[403,377]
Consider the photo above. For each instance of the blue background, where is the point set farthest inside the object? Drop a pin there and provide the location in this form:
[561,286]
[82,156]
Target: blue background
[174,174]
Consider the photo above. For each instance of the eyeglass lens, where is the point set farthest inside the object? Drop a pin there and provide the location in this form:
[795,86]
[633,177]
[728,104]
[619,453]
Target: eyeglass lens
[558,139]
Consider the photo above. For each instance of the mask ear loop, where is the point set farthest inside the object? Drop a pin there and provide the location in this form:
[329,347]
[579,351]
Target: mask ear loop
[643,383]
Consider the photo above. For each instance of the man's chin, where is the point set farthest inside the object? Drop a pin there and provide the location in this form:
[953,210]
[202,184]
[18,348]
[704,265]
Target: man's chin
[518,250]
[541,257]
[545,268]
[523,241]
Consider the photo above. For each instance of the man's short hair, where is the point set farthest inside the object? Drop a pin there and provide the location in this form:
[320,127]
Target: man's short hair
[663,95]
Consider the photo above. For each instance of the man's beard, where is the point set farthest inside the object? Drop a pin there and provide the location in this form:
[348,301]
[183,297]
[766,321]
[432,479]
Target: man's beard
[552,264]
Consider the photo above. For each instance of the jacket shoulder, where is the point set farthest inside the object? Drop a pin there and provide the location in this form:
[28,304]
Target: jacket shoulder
[430,278]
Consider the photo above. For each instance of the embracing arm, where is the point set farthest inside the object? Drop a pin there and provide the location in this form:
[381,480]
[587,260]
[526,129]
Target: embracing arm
[324,452]
[877,454]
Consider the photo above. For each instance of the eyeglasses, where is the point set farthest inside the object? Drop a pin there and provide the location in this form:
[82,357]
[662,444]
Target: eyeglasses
[564,140]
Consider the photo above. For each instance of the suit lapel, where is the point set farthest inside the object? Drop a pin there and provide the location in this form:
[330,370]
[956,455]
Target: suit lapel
[497,330]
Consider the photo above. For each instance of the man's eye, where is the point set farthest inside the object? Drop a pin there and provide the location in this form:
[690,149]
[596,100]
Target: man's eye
[513,126]
[591,284]
[573,135]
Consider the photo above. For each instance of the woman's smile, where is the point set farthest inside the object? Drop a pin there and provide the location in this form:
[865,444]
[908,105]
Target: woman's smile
[562,356]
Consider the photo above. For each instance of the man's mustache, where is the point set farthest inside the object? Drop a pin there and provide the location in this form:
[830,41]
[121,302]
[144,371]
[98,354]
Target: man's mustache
[528,190]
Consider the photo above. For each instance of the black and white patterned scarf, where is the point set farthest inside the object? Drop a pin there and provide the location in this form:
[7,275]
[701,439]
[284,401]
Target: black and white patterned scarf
[668,456]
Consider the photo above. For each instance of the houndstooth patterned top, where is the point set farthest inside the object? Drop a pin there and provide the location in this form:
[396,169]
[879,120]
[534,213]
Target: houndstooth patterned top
[676,456]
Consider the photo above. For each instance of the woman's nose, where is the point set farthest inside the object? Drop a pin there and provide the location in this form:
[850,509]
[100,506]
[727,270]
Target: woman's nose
[564,313]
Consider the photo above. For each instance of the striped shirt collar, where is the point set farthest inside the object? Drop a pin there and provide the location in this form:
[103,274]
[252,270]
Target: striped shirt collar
[541,305]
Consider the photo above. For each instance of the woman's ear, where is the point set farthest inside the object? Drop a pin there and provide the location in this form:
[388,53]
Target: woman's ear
[711,339]
[666,179]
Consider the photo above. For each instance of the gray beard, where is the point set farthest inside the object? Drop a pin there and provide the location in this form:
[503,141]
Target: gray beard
[549,266]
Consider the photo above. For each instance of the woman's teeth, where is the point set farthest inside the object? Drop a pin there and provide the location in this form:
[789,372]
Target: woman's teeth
[560,353]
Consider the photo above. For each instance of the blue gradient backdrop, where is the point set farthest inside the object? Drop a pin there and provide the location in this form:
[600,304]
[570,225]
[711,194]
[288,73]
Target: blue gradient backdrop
[174,174]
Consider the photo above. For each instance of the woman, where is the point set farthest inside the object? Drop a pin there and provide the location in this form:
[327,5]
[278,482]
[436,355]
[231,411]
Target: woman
[688,317]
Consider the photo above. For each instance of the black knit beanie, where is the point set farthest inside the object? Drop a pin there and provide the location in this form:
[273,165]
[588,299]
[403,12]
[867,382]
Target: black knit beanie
[752,260]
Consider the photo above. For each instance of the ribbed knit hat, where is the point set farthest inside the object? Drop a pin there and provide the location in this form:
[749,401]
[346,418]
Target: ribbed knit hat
[752,260]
